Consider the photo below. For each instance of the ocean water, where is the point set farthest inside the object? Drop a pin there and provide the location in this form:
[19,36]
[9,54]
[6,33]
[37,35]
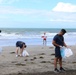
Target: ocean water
[32,36]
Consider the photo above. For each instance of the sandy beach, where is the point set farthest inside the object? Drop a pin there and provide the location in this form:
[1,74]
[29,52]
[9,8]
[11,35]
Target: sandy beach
[40,62]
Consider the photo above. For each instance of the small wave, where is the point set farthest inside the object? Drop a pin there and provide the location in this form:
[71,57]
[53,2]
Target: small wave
[4,35]
[72,33]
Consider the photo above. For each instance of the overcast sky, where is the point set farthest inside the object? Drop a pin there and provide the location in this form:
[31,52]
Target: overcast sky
[38,13]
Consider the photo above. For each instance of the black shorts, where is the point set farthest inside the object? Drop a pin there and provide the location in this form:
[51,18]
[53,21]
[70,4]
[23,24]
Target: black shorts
[19,44]
[57,52]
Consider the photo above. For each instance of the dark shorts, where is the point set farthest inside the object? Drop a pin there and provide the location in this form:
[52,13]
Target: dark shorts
[19,45]
[57,52]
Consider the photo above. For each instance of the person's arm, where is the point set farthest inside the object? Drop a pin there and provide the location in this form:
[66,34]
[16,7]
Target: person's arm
[55,44]
[65,44]
[54,41]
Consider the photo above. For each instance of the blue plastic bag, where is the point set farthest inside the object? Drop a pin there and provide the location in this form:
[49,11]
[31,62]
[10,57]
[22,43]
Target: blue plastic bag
[62,50]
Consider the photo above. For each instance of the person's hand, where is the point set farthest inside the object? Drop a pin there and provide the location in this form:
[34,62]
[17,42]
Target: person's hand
[67,47]
[60,46]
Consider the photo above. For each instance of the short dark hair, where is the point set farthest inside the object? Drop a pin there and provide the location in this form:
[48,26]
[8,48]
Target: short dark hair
[63,30]
[25,46]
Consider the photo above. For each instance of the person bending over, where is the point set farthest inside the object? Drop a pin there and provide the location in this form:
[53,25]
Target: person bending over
[20,45]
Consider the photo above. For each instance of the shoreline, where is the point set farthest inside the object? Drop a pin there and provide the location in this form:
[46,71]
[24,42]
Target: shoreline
[33,45]
[39,62]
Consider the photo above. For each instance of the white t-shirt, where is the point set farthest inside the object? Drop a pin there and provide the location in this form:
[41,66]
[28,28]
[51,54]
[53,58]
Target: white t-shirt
[44,37]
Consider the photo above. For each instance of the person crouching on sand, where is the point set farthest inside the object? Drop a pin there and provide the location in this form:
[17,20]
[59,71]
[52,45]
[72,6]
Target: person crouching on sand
[44,37]
[20,45]
[58,42]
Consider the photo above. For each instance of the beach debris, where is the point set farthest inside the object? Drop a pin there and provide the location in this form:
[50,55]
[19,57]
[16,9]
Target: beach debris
[12,52]
[42,54]
[41,57]
[20,64]
[35,58]
[26,60]
[53,54]
[32,63]
[45,61]
[14,62]
[74,62]
[32,59]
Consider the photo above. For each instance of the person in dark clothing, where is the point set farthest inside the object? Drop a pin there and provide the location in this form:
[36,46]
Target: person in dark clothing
[20,45]
[58,42]
[0,31]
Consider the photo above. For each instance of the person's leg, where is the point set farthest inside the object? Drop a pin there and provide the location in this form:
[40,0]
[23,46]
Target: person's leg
[60,62]
[43,42]
[55,62]
[21,50]
[17,49]
[55,65]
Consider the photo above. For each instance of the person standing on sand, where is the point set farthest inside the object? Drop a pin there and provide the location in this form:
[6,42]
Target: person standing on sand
[20,45]
[44,37]
[58,42]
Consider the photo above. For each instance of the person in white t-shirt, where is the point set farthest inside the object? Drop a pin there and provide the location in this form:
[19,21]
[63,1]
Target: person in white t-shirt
[44,37]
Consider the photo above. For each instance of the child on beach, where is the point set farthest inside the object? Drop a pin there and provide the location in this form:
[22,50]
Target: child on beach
[58,42]
[44,39]
[20,45]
